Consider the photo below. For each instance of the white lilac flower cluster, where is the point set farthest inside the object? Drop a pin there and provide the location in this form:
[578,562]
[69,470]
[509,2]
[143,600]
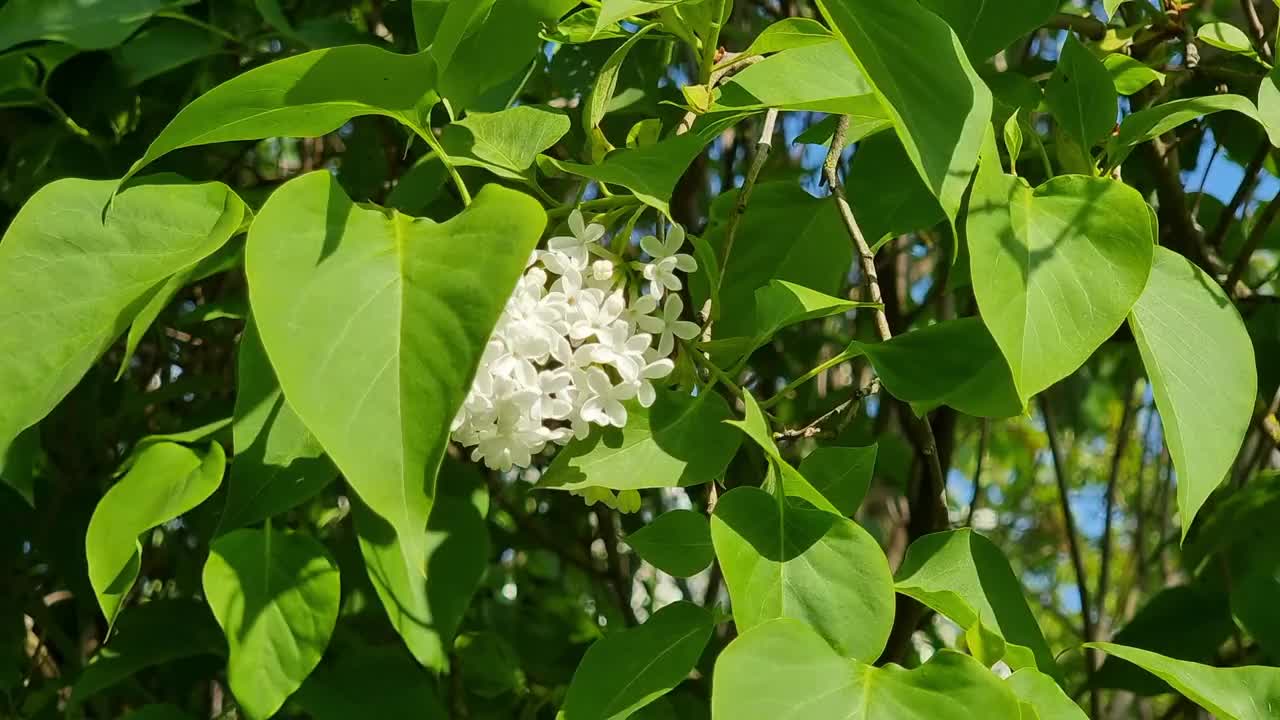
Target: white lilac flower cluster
[573,344]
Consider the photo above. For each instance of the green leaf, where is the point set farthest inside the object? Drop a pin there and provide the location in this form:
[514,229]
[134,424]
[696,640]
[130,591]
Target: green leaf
[1128,75]
[1203,618]
[1044,695]
[155,633]
[163,46]
[819,78]
[781,304]
[164,482]
[377,682]
[919,70]
[782,670]
[955,363]
[1236,693]
[841,474]
[490,666]
[1055,269]
[1199,359]
[1153,122]
[817,255]
[71,282]
[964,576]
[1081,95]
[611,11]
[305,95]
[157,712]
[1269,103]
[652,171]
[1255,593]
[788,33]
[88,26]
[677,542]
[607,81]
[427,15]
[628,669]
[494,51]
[679,441]
[506,142]
[1225,36]
[18,463]
[354,304]
[994,24]
[278,464]
[782,559]
[427,611]
[275,594]
[887,194]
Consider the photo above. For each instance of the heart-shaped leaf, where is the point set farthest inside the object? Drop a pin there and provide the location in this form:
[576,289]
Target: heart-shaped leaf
[782,559]
[1055,269]
[677,542]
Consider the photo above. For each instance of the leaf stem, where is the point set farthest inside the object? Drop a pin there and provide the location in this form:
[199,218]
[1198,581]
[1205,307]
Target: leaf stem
[711,43]
[843,356]
[434,143]
[597,205]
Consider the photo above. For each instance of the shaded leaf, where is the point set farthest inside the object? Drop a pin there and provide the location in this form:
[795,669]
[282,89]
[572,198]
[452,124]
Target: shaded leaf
[88,26]
[994,24]
[677,542]
[275,594]
[841,474]
[378,682]
[1082,95]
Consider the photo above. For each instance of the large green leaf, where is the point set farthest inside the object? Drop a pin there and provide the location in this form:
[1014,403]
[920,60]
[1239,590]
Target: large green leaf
[1153,122]
[355,306]
[842,474]
[677,442]
[886,192]
[494,50]
[919,70]
[628,669]
[817,254]
[1236,693]
[275,594]
[278,464]
[783,559]
[155,633]
[305,95]
[955,363]
[163,46]
[1200,362]
[993,24]
[507,142]
[86,25]
[819,78]
[1081,94]
[964,576]
[1055,269]
[427,611]
[378,682]
[71,282]
[1044,695]
[165,481]
[677,542]
[782,670]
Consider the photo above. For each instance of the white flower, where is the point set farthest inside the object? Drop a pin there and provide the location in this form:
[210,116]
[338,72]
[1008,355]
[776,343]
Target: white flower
[604,405]
[668,325]
[572,251]
[667,259]
[569,350]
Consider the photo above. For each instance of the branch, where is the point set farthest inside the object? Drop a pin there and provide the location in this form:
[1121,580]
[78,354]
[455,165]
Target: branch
[1243,192]
[621,580]
[977,471]
[909,613]
[1073,547]
[1089,27]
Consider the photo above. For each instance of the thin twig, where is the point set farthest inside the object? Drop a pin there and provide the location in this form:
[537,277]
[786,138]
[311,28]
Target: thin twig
[1258,30]
[763,146]
[1117,460]
[814,428]
[977,470]
[1256,235]
[1243,192]
[1073,547]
